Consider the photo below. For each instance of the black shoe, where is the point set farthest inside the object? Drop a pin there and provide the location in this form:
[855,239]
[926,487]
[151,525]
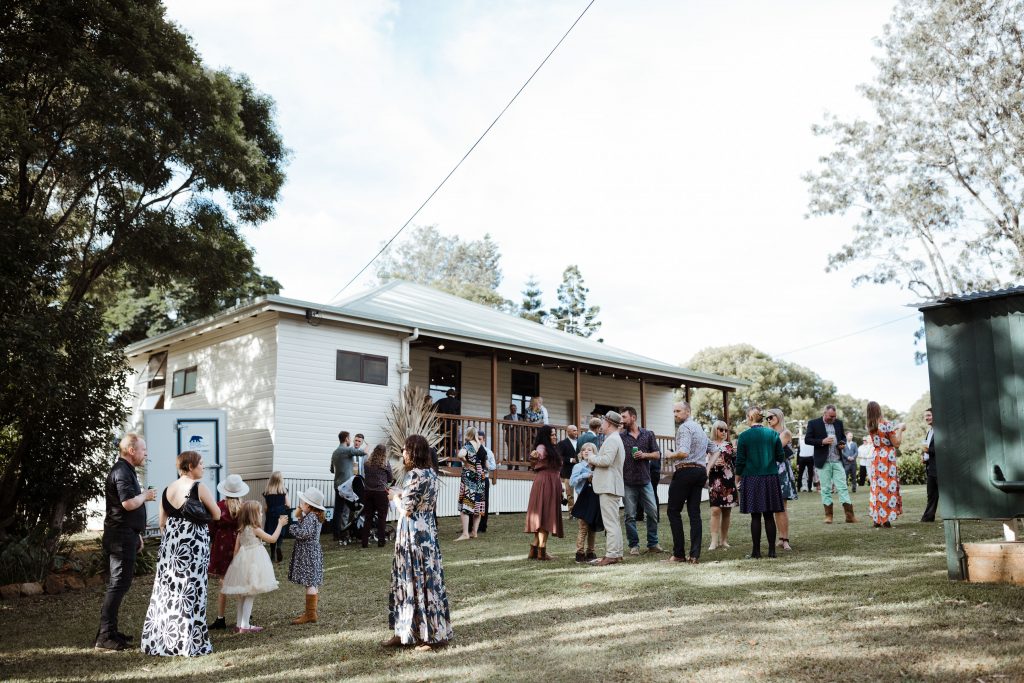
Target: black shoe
[112,643]
[218,625]
[591,555]
[581,558]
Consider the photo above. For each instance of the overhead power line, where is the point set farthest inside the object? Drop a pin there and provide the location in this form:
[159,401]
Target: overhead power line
[464,156]
[845,336]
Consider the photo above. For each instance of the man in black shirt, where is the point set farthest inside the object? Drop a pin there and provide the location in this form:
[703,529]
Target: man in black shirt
[122,535]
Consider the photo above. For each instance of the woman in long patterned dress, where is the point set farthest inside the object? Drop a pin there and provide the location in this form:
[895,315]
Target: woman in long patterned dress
[544,508]
[176,618]
[722,493]
[885,503]
[418,603]
[471,487]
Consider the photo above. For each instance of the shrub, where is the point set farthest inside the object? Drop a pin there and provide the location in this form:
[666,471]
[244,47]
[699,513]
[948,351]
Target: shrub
[911,470]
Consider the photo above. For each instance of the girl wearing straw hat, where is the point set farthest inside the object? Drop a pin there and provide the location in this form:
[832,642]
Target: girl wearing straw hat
[307,565]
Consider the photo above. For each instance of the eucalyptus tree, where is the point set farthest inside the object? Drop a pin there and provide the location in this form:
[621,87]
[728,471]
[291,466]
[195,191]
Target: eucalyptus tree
[936,175]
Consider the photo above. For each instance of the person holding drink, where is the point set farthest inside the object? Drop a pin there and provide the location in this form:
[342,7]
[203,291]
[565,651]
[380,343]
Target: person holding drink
[828,437]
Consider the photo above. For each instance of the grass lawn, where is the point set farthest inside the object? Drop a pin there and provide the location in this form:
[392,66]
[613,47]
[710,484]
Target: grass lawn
[848,604]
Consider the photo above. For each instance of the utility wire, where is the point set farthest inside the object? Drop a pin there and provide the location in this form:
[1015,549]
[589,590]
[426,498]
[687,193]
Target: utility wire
[851,334]
[478,140]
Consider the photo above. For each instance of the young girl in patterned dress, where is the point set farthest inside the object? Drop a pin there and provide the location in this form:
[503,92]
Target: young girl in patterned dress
[307,565]
[224,533]
[251,572]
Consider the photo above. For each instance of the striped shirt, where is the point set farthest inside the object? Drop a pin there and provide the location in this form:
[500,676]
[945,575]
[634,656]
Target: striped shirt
[692,440]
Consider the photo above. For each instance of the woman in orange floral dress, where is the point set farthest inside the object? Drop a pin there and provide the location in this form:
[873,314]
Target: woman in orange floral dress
[885,503]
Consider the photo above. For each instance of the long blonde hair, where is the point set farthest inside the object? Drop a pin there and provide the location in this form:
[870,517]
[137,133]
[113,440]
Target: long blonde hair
[251,514]
[234,506]
[275,484]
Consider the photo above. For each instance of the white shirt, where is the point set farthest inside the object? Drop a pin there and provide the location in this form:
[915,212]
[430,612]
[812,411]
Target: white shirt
[864,454]
[544,413]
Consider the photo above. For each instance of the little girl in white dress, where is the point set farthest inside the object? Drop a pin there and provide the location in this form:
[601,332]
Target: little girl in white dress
[251,571]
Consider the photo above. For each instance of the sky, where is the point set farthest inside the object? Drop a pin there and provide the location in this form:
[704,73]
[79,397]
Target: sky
[660,149]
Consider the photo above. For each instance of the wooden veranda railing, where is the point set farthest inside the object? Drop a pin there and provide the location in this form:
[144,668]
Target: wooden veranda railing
[511,441]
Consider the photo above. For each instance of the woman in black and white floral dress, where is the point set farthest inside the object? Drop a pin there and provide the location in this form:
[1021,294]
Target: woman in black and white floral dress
[418,604]
[176,618]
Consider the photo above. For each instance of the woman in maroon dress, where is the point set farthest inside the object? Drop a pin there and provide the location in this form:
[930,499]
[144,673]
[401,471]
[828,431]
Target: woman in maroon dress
[544,510]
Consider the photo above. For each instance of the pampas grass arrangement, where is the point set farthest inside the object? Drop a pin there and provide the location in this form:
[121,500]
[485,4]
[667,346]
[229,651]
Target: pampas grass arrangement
[411,414]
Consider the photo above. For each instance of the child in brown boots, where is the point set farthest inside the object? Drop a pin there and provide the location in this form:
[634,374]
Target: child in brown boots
[587,509]
[307,565]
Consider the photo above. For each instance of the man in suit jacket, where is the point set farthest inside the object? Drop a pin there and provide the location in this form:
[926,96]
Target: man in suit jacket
[590,436]
[567,450]
[929,468]
[828,437]
[608,484]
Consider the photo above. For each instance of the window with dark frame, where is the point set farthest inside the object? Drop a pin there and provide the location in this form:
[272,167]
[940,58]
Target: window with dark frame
[183,382]
[361,367]
[445,374]
[525,385]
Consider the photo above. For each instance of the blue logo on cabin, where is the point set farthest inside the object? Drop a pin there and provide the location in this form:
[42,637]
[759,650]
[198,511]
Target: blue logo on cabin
[195,441]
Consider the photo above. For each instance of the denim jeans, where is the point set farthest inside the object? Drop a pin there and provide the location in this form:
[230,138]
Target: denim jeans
[121,545]
[642,495]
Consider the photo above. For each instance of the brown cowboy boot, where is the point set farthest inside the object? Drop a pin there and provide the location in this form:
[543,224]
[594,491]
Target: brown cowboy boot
[542,554]
[533,553]
[309,616]
[828,514]
[848,510]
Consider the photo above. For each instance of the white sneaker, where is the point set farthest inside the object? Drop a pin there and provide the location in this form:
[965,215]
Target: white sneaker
[634,550]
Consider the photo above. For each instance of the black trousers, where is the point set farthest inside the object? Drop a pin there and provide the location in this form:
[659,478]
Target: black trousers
[805,465]
[374,502]
[121,546]
[487,505]
[933,499]
[862,475]
[685,490]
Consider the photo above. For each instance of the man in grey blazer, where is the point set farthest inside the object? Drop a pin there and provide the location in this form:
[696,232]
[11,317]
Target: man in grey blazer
[608,484]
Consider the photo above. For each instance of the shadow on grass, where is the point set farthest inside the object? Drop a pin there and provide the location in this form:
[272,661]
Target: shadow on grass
[849,603]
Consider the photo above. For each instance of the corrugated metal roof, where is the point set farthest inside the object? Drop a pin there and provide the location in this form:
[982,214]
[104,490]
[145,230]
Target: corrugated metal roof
[406,306]
[440,314]
[970,297]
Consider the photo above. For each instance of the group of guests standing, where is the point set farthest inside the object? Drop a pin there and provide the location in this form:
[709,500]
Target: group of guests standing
[202,538]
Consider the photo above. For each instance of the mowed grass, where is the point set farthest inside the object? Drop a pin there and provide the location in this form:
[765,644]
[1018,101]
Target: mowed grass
[848,604]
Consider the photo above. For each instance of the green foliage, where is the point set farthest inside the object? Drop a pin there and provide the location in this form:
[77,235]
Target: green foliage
[801,393]
[572,314]
[936,175]
[25,559]
[911,469]
[126,167]
[532,307]
[467,269]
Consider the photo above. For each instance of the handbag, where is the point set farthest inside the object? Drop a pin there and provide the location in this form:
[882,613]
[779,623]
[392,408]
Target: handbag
[193,510]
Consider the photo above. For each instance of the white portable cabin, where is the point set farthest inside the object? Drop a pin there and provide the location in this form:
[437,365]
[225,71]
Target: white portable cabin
[292,374]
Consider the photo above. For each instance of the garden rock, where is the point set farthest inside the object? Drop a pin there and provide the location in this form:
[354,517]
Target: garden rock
[30,589]
[10,591]
[94,580]
[74,583]
[54,584]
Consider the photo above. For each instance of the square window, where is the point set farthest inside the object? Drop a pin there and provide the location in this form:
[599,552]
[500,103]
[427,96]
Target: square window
[349,366]
[183,382]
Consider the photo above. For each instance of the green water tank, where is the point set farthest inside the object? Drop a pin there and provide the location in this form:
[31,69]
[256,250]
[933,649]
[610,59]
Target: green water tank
[976,369]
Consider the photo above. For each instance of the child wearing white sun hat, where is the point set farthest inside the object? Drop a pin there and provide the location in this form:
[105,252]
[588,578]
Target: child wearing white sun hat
[307,565]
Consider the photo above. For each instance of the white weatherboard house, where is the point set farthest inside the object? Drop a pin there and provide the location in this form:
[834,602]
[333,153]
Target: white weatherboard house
[292,374]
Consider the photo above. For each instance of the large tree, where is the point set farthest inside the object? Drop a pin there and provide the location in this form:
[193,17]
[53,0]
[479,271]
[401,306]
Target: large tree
[468,269]
[123,159]
[572,314]
[936,175]
[800,392]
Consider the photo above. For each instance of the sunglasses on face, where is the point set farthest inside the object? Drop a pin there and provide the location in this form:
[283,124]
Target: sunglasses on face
[770,418]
